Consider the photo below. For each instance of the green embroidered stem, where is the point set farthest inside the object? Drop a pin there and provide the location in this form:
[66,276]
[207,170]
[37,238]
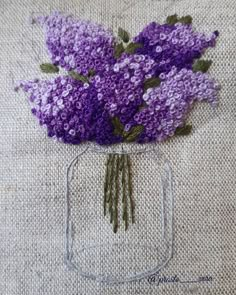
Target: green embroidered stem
[110,176]
[118,166]
[123,179]
[110,199]
[130,191]
[115,219]
[106,184]
[121,163]
[124,198]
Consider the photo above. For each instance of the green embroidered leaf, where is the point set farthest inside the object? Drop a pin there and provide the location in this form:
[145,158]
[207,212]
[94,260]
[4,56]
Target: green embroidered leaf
[91,73]
[152,82]
[202,65]
[49,68]
[172,19]
[128,136]
[132,47]
[124,35]
[186,19]
[185,130]
[134,133]
[118,126]
[119,49]
[78,77]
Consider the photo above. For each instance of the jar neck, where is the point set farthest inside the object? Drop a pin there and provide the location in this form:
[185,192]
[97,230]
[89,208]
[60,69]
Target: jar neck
[123,148]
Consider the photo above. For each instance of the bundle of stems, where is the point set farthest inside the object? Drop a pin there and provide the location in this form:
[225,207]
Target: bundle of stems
[118,181]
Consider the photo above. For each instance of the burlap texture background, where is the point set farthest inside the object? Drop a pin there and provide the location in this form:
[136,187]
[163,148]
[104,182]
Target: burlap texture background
[32,167]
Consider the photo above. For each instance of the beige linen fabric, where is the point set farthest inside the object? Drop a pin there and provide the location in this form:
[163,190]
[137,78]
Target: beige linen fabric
[32,167]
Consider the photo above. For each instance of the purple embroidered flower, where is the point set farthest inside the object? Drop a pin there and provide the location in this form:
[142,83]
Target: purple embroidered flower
[104,98]
[120,87]
[173,45]
[77,44]
[168,105]
[69,110]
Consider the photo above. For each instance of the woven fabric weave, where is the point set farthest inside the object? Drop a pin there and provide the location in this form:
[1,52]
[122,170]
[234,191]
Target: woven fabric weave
[33,167]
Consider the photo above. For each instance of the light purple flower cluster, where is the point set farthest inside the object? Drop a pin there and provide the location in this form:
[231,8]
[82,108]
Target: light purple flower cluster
[168,105]
[77,45]
[173,45]
[82,106]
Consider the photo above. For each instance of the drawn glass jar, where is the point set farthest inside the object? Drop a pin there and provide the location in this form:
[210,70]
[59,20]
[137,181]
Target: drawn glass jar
[136,250]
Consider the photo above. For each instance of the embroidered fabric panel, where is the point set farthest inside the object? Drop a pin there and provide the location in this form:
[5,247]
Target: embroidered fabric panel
[32,167]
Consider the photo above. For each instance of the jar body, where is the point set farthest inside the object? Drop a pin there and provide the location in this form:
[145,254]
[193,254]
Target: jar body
[92,248]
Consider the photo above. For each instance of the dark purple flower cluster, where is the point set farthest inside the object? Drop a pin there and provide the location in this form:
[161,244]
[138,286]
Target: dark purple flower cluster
[120,86]
[69,110]
[173,45]
[82,106]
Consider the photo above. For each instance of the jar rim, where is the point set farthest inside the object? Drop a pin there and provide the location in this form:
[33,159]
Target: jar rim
[122,148]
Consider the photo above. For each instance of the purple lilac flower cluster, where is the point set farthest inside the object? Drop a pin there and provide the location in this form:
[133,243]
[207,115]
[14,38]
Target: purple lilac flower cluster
[173,45]
[77,45]
[176,94]
[69,110]
[82,108]
[120,87]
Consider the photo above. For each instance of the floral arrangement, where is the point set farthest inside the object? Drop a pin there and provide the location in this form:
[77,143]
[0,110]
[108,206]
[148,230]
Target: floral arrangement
[118,89]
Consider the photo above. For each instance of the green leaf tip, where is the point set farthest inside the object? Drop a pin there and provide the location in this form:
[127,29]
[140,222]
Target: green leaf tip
[119,49]
[173,19]
[184,130]
[91,73]
[152,82]
[202,65]
[128,136]
[132,47]
[118,126]
[78,77]
[186,19]
[49,68]
[124,35]
[134,133]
